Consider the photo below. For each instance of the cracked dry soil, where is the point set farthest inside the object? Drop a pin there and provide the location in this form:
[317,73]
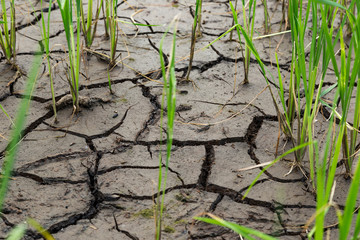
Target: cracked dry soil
[93,175]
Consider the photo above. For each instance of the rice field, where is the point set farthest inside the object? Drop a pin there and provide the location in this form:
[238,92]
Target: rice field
[179,119]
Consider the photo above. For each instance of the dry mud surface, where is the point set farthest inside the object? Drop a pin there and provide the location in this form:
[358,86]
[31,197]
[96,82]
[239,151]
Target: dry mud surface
[93,175]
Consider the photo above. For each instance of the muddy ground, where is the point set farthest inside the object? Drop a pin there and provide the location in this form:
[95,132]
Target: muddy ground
[94,175]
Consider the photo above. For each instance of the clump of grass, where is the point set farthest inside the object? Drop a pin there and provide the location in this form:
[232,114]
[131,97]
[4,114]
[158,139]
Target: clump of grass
[112,28]
[87,23]
[45,34]
[266,17]
[111,31]
[248,26]
[347,75]
[74,46]
[7,32]
[169,90]
[307,79]
[303,77]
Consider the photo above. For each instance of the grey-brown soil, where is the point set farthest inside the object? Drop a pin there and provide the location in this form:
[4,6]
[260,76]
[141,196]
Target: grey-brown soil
[94,175]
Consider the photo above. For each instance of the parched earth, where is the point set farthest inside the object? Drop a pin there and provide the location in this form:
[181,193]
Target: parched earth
[94,175]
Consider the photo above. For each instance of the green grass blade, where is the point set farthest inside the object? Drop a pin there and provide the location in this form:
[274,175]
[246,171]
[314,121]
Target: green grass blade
[40,229]
[169,90]
[17,232]
[16,132]
[244,231]
[6,114]
[351,199]
[331,3]
[272,163]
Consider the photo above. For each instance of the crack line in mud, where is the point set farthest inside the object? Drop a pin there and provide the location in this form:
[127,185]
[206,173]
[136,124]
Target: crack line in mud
[208,65]
[46,180]
[153,117]
[215,203]
[31,127]
[52,159]
[250,136]
[206,167]
[180,143]
[88,139]
[218,233]
[113,168]
[129,235]
[117,196]
[211,188]
[166,59]
[232,104]
[94,207]
[285,67]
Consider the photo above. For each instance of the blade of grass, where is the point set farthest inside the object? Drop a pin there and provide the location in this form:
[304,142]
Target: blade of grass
[17,232]
[271,164]
[40,229]
[66,9]
[169,90]
[16,131]
[194,36]
[244,231]
[45,33]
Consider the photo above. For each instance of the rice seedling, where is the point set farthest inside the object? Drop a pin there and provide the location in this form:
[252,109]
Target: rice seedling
[303,79]
[88,24]
[112,26]
[66,9]
[169,90]
[347,75]
[233,22]
[194,34]
[266,17]
[304,76]
[248,25]
[111,31]
[45,34]
[325,185]
[7,33]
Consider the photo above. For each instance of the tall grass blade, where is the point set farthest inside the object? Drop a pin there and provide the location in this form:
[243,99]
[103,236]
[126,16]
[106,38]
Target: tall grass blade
[45,33]
[66,9]
[7,32]
[195,26]
[9,160]
[243,231]
[169,90]
[89,25]
[271,164]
